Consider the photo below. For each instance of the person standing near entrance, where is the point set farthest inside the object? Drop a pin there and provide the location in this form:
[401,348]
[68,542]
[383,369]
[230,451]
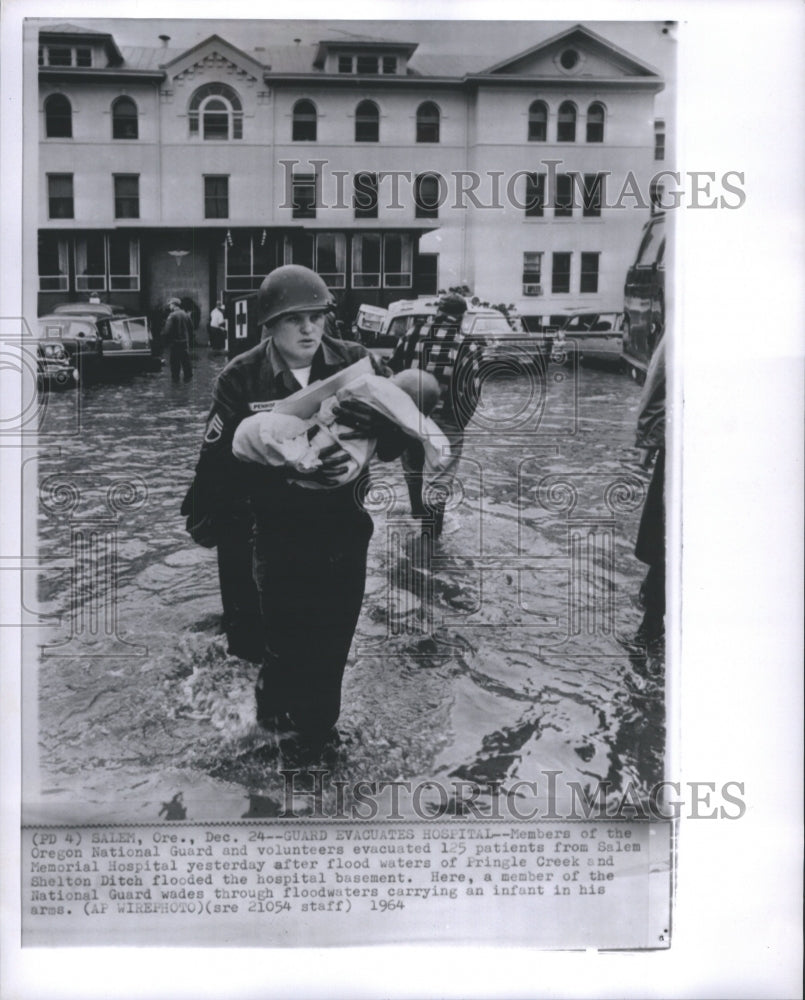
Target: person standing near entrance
[177,332]
[437,346]
[218,327]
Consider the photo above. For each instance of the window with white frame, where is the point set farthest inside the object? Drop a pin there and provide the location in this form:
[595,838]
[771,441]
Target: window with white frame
[563,196]
[382,261]
[397,260]
[124,119]
[54,275]
[303,196]
[248,257]
[593,185]
[365,195]
[330,258]
[102,261]
[216,196]
[534,196]
[566,122]
[588,281]
[367,251]
[560,273]
[538,121]
[127,196]
[60,196]
[123,262]
[659,139]
[427,122]
[595,122]
[367,122]
[430,192]
[215,113]
[532,273]
[305,121]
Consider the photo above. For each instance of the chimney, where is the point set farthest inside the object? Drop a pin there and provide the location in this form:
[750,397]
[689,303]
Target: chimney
[164,39]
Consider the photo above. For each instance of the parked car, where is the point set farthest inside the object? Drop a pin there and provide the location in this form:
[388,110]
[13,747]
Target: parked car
[54,369]
[489,327]
[101,339]
[644,299]
[592,336]
[368,324]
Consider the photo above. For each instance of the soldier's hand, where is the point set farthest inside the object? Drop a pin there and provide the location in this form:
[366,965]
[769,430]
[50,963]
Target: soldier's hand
[334,464]
[364,421]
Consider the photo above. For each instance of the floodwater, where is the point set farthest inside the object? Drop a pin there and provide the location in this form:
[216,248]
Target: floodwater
[495,662]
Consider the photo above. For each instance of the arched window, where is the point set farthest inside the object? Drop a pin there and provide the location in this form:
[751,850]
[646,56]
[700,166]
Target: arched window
[124,119]
[367,122]
[566,123]
[595,123]
[538,121]
[58,117]
[304,121]
[427,122]
[215,112]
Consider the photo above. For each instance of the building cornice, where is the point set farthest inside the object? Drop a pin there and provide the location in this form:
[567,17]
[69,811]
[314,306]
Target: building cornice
[353,80]
[566,82]
[471,82]
[112,75]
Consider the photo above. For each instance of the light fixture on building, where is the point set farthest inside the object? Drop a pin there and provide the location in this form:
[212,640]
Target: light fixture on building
[177,255]
[229,237]
[263,239]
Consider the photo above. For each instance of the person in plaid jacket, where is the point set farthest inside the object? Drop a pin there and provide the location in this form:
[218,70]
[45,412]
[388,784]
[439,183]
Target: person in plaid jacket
[436,345]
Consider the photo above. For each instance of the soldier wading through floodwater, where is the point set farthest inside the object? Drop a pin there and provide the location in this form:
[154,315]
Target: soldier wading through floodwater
[309,545]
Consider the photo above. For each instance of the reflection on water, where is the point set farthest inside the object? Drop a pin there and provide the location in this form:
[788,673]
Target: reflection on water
[497,661]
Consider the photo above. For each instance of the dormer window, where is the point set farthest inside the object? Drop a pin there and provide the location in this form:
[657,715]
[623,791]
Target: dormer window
[368,64]
[65,55]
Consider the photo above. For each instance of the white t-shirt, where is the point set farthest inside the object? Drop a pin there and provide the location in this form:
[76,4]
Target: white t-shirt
[302,375]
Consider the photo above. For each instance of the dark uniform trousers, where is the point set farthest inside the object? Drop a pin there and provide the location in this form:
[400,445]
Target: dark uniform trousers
[311,578]
[241,604]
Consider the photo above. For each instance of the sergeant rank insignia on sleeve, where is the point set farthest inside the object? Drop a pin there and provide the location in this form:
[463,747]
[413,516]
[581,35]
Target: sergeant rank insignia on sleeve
[214,427]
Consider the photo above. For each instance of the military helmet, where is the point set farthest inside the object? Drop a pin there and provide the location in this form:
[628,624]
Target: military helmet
[453,304]
[291,288]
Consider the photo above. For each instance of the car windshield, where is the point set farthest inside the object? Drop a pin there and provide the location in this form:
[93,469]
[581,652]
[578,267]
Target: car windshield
[56,328]
[488,324]
[593,322]
[652,246]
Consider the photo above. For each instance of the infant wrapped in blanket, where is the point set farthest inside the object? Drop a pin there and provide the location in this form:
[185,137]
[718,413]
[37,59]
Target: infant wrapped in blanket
[281,439]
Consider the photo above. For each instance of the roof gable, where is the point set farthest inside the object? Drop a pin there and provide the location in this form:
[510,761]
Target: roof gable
[211,52]
[595,57]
